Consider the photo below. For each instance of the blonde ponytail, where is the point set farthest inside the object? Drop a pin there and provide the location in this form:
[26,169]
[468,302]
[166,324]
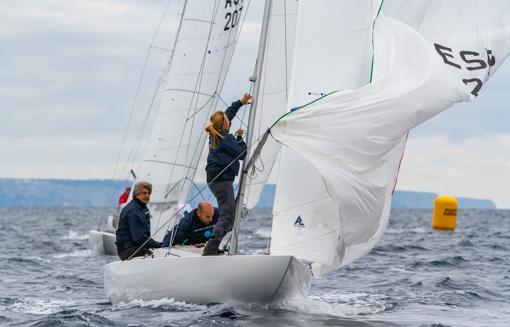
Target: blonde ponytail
[215,128]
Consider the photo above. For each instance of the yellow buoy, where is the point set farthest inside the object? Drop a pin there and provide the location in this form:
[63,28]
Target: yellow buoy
[445,212]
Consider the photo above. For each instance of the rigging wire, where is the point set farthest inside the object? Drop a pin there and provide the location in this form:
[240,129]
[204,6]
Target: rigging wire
[161,80]
[197,99]
[194,97]
[174,230]
[198,149]
[194,93]
[198,83]
[134,150]
[133,106]
[199,145]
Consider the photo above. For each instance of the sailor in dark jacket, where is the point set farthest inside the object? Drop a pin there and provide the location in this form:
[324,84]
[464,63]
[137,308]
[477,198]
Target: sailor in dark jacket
[195,228]
[225,151]
[134,231]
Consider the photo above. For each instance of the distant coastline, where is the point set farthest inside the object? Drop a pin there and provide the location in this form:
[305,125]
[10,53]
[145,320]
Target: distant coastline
[100,193]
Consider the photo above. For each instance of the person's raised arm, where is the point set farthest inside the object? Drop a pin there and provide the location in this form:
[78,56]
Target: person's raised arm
[234,107]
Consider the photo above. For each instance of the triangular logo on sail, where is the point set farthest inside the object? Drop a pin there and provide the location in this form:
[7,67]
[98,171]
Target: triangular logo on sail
[299,223]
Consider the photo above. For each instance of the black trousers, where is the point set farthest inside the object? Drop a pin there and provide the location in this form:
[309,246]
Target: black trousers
[223,191]
[126,253]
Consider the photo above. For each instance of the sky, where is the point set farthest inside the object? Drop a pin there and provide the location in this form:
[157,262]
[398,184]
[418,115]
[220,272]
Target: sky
[69,72]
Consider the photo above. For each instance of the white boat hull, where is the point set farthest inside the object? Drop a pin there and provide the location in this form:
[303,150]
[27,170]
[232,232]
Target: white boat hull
[211,279]
[102,242]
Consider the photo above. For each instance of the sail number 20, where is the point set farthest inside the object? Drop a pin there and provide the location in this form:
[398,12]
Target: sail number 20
[233,14]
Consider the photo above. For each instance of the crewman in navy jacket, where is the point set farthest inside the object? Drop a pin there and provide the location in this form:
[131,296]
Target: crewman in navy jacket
[134,231]
[196,226]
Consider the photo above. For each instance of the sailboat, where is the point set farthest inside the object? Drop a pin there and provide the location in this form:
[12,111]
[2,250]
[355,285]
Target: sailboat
[270,277]
[102,241]
[355,88]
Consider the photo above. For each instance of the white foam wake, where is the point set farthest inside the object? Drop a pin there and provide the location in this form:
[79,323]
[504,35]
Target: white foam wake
[335,303]
[72,235]
[38,306]
[77,253]
[161,303]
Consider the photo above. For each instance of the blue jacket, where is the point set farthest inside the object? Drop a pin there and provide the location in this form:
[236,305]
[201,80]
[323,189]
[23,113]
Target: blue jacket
[191,230]
[229,149]
[135,227]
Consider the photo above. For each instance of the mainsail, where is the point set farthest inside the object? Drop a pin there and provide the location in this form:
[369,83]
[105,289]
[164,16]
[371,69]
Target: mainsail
[198,66]
[354,140]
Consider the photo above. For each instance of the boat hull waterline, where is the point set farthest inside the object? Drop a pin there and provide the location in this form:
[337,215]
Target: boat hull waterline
[213,279]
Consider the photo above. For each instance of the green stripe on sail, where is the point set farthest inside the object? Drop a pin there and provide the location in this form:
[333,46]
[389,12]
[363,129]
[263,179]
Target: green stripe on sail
[322,97]
[373,27]
[301,107]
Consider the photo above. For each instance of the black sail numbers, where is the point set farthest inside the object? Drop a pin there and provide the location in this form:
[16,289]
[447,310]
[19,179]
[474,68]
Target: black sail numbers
[469,61]
[234,9]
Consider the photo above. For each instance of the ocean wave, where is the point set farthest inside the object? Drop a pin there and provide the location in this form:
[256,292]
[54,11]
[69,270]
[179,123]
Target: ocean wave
[31,259]
[270,316]
[37,306]
[449,283]
[4,319]
[72,235]
[76,253]
[71,317]
[265,233]
[403,281]
[164,304]
[335,304]
[33,262]
[466,242]
[259,252]
[454,261]
[392,248]
[71,278]
[498,247]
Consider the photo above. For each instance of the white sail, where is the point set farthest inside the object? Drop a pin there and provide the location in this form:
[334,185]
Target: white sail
[203,50]
[272,99]
[333,51]
[355,138]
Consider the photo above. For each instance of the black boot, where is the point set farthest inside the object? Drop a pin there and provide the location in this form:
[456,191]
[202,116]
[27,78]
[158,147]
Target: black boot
[211,247]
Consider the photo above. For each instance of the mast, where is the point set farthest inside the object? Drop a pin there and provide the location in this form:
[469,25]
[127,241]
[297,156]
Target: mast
[251,122]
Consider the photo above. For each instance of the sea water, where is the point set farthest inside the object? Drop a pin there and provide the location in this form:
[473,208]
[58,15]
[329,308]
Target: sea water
[414,277]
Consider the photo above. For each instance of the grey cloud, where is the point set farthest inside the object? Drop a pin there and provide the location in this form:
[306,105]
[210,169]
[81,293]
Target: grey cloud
[69,69]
